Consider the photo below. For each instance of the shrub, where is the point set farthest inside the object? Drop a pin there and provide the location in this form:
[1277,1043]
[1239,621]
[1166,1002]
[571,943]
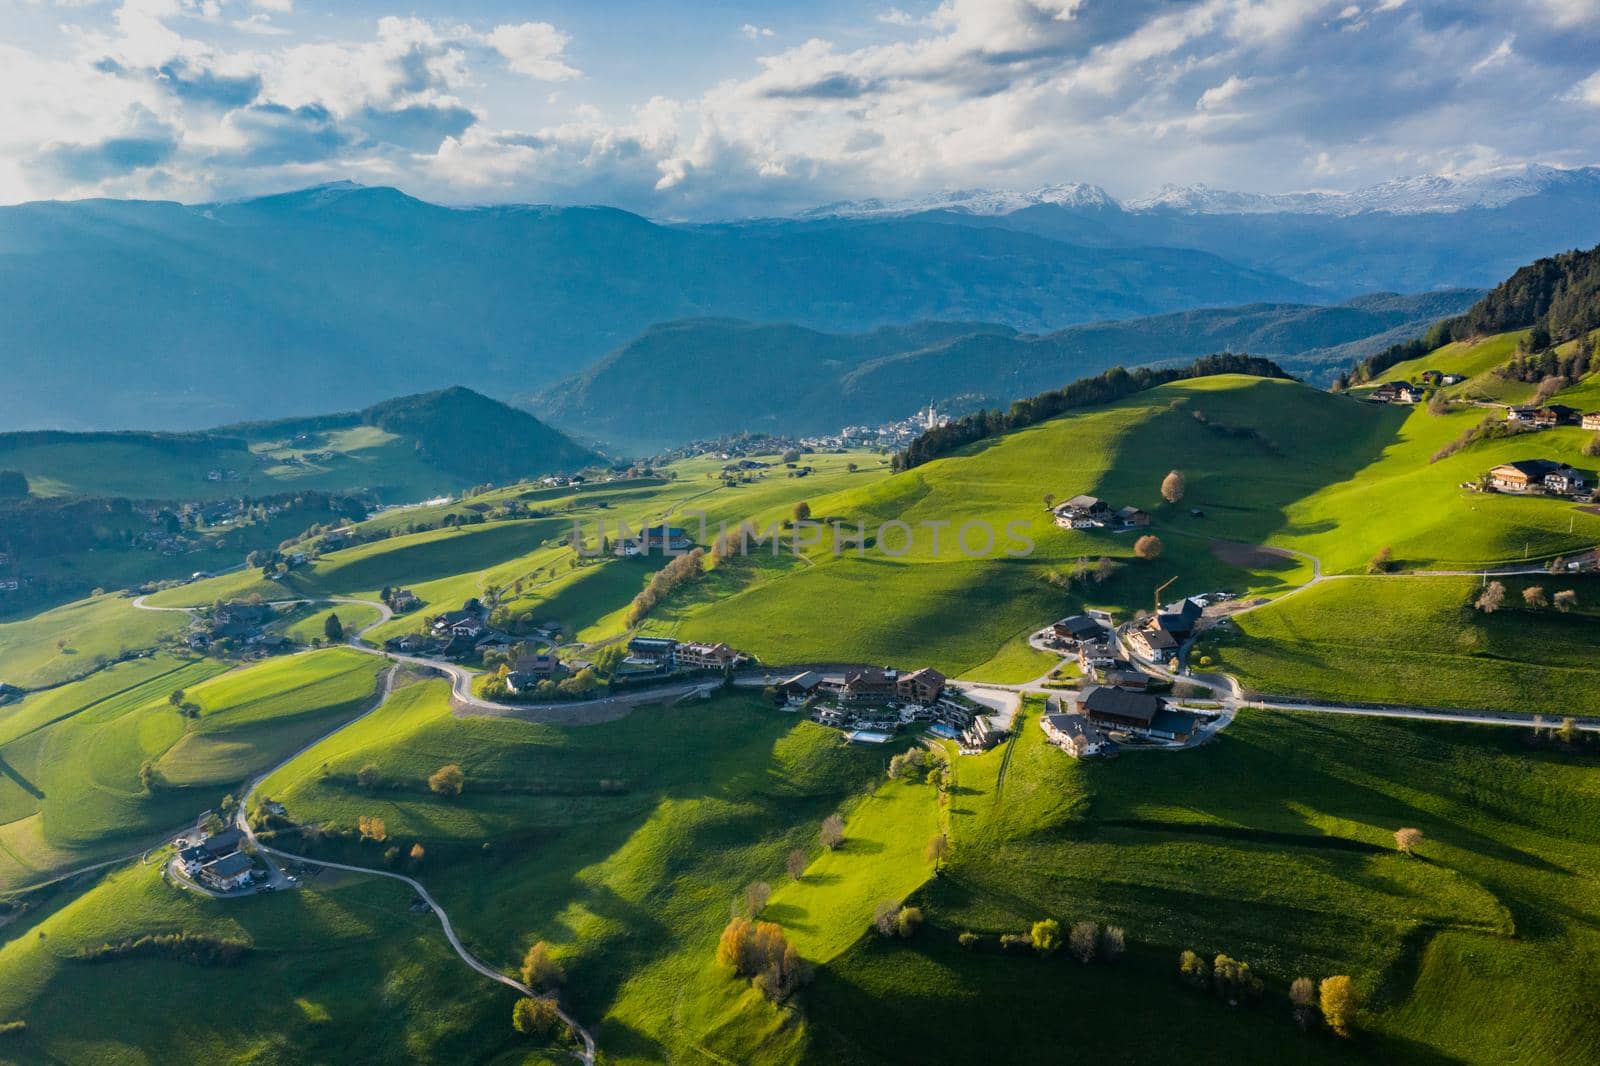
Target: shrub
[969,940]
[1407,840]
[1339,1002]
[1303,995]
[1493,595]
[1382,562]
[540,971]
[756,894]
[795,864]
[1046,936]
[200,949]
[1113,944]
[447,780]
[832,832]
[1016,942]
[1083,940]
[1534,597]
[1566,600]
[535,1016]
[1194,970]
[1148,546]
[1173,486]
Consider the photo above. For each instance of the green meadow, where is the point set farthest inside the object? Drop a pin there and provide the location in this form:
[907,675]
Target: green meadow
[1419,640]
[104,766]
[78,638]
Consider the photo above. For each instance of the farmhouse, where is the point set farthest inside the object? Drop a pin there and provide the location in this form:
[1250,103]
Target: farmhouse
[228,873]
[1171,725]
[922,686]
[801,687]
[1078,628]
[1083,512]
[1117,708]
[1591,420]
[1154,643]
[1554,415]
[1179,619]
[1526,475]
[1520,413]
[1396,392]
[656,539]
[1073,734]
[530,670]
[869,683]
[1131,517]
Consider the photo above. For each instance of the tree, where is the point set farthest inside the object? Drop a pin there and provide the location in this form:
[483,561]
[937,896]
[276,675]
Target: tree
[731,945]
[333,629]
[756,894]
[802,511]
[1591,447]
[176,699]
[1083,940]
[1493,595]
[1194,970]
[1173,485]
[1103,569]
[1303,994]
[1230,978]
[418,853]
[1406,840]
[535,1016]
[1049,501]
[367,776]
[795,864]
[372,828]
[13,484]
[832,832]
[908,921]
[760,952]
[540,970]
[1566,600]
[1148,546]
[447,780]
[883,917]
[1339,1002]
[1113,944]
[1382,562]
[937,851]
[1045,936]
[1533,597]
[1568,732]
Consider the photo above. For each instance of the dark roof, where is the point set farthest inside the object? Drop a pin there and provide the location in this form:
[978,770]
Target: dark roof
[1176,722]
[652,643]
[927,673]
[1532,467]
[194,853]
[221,843]
[229,866]
[1082,626]
[1122,704]
[1160,639]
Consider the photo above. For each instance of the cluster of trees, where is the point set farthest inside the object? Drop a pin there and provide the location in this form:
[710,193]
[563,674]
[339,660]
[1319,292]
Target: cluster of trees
[1556,298]
[1085,941]
[1105,388]
[920,764]
[1544,364]
[1491,428]
[1083,572]
[201,949]
[682,570]
[891,919]
[759,951]
[1534,598]
[1335,999]
[535,1016]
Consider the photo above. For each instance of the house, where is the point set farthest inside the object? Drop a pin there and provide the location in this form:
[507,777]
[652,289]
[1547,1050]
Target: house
[403,600]
[1096,653]
[1132,517]
[1126,678]
[228,873]
[1590,420]
[799,688]
[1117,708]
[224,843]
[1073,734]
[706,656]
[192,858]
[1079,628]
[472,627]
[920,686]
[1554,415]
[660,650]
[1520,413]
[1172,725]
[1153,643]
[530,670]
[656,539]
[1527,474]
[1565,481]
[1452,379]
[1405,392]
[869,683]
[1180,618]
[1384,393]
[1077,520]
[1092,506]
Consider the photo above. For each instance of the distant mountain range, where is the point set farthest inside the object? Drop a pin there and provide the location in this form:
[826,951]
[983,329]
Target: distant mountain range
[158,315]
[703,379]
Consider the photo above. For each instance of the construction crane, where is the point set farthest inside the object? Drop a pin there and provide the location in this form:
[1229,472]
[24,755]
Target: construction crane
[1159,590]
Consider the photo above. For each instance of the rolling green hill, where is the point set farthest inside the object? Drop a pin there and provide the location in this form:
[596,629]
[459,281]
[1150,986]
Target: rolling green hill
[401,450]
[653,392]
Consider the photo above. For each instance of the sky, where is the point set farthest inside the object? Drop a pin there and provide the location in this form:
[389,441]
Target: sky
[723,109]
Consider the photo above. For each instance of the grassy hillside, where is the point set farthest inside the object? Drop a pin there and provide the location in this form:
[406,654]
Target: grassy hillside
[622,843]
[339,972]
[1290,867]
[405,449]
[100,767]
[65,643]
[1419,640]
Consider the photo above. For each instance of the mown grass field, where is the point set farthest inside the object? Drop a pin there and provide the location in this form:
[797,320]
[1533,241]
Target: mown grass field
[1272,844]
[68,642]
[1418,640]
[71,791]
[623,843]
[341,972]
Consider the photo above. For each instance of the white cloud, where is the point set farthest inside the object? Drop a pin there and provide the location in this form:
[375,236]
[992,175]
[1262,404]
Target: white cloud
[1221,95]
[535,49]
[1587,91]
[754,32]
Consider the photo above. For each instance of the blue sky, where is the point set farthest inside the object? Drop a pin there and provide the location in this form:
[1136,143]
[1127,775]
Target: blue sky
[719,108]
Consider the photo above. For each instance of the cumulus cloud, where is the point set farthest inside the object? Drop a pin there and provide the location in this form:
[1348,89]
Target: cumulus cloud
[1267,95]
[534,49]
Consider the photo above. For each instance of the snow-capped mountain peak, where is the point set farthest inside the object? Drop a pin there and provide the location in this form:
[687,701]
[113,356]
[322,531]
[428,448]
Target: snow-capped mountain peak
[972,201]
